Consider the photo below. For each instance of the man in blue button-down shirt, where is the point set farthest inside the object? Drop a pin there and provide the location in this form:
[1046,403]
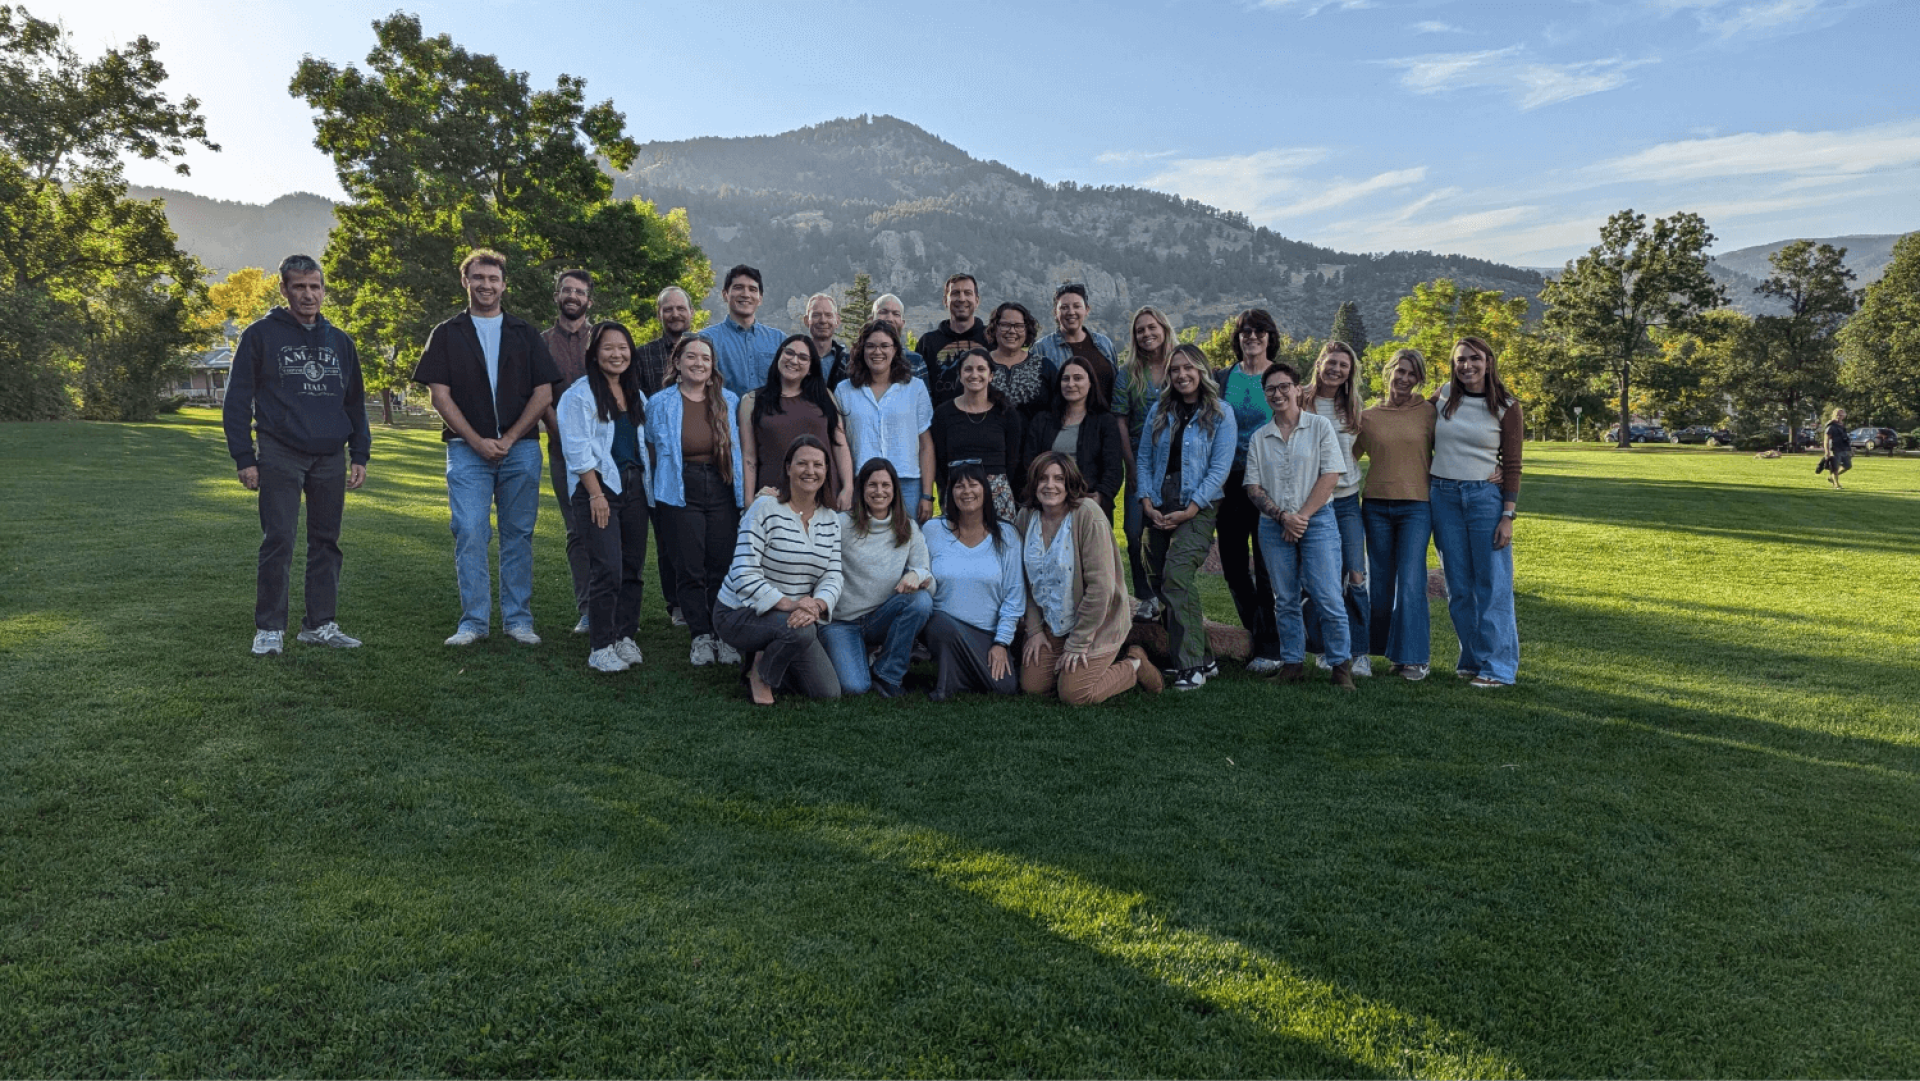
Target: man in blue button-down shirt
[742,348]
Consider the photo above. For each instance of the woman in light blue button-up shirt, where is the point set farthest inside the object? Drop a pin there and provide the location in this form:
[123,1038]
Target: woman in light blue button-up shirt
[889,414]
[700,501]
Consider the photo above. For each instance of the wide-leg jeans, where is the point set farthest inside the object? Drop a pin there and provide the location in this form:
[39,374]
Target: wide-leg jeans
[1479,576]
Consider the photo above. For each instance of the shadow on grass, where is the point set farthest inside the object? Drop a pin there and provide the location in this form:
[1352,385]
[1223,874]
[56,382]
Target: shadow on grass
[1789,516]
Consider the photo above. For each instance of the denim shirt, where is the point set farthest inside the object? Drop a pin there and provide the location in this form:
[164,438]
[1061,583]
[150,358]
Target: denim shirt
[664,412]
[742,354]
[1204,461]
[1055,351]
[587,441]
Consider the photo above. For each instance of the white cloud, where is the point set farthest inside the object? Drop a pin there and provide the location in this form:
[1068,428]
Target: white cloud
[1431,26]
[1311,8]
[1268,186]
[1725,20]
[1814,153]
[1339,191]
[1133,157]
[1530,85]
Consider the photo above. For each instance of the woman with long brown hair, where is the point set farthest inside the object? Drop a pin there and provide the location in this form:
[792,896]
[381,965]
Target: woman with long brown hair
[698,480]
[1478,429]
[1335,394]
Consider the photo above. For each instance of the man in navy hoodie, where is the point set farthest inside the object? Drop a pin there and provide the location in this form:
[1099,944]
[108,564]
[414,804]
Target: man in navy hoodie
[296,383]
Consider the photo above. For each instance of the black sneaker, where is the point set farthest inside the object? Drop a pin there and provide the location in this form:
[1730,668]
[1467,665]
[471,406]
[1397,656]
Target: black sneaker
[1191,679]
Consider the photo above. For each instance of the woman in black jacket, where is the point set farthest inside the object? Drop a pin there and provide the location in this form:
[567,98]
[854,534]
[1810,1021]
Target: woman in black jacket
[980,427]
[1081,424]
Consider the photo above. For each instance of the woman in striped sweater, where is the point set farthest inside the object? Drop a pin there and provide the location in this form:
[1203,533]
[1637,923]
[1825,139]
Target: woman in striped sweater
[784,582]
[1478,429]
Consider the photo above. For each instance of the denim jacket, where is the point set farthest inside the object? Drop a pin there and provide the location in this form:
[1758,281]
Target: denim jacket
[587,441]
[1054,352]
[663,439]
[1204,460]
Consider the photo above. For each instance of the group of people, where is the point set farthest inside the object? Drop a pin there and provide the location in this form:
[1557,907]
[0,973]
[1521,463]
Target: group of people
[791,483]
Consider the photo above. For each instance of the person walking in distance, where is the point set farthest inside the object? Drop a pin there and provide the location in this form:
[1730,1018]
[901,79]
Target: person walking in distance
[491,381]
[297,386]
[567,344]
[1839,446]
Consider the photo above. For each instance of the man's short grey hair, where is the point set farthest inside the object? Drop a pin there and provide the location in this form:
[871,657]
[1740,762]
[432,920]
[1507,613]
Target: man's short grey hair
[299,264]
[884,297]
[821,296]
[669,291]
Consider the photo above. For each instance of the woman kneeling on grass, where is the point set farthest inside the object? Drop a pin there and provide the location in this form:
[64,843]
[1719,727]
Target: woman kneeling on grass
[978,594]
[1077,613]
[887,595]
[784,581]
[601,418]
[1478,430]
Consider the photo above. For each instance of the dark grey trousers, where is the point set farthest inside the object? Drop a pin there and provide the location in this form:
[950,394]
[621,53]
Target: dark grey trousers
[960,658]
[791,658]
[285,475]
[617,558]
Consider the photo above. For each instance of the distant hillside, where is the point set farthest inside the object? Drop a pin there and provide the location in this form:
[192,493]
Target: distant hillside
[1867,256]
[227,236]
[815,206]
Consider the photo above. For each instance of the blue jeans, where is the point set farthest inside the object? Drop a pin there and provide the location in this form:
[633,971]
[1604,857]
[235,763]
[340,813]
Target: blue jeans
[909,495]
[1397,535]
[1354,596]
[474,486]
[1479,577]
[1310,565]
[894,625]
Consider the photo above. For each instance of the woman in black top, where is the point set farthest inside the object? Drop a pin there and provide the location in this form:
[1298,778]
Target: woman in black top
[979,427]
[1080,424]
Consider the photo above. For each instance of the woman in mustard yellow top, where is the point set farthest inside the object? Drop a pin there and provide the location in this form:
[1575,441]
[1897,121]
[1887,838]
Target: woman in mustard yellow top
[1397,435]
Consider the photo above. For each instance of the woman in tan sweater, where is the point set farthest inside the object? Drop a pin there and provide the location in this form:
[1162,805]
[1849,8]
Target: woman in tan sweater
[1397,435]
[1077,616]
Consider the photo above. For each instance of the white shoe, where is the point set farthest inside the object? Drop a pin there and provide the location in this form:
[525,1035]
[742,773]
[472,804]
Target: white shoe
[581,627]
[1191,680]
[329,634]
[1147,610]
[269,643]
[1413,673]
[1262,666]
[1363,665]
[464,638]
[606,659]
[702,653]
[674,617]
[1320,661]
[724,653]
[523,635]
[628,650]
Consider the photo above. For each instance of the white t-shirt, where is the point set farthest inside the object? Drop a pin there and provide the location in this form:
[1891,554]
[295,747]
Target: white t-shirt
[489,331]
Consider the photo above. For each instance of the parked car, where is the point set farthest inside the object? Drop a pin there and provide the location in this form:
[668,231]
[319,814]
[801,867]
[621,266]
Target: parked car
[1872,439]
[1639,433]
[1722,437]
[1698,434]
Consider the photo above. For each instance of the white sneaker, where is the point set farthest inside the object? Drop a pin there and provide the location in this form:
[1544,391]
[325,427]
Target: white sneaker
[269,643]
[1261,666]
[628,650]
[523,635]
[702,653]
[581,627]
[674,617]
[1147,610]
[329,634]
[1363,665]
[724,653]
[1191,680]
[1320,662]
[606,659]
[464,638]
[1413,673]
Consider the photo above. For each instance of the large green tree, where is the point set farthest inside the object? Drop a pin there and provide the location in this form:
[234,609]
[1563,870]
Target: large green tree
[1350,328]
[1880,345]
[1441,312]
[440,151]
[1789,363]
[75,252]
[1641,276]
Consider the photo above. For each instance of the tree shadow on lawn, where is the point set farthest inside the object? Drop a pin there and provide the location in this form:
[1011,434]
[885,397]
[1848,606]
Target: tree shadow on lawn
[1869,520]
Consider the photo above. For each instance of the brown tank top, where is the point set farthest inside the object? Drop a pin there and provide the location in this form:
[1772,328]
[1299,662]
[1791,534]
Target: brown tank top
[696,435]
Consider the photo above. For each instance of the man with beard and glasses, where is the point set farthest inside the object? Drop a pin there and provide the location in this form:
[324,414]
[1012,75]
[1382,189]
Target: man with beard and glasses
[567,344]
[492,381]
[653,362]
[942,346]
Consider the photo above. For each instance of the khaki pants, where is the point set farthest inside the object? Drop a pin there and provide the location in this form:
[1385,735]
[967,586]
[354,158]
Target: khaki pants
[1103,676]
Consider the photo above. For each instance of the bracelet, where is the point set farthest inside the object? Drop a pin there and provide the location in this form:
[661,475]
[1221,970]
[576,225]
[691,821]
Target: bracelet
[596,495]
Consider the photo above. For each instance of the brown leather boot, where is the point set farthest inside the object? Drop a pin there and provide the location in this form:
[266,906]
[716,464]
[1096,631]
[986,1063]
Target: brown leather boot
[1291,672]
[1343,675]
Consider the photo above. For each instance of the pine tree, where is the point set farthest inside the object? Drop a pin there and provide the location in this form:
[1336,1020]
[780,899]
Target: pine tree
[856,308]
[1350,328]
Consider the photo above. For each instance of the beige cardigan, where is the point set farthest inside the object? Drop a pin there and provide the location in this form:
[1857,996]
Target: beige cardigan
[1101,618]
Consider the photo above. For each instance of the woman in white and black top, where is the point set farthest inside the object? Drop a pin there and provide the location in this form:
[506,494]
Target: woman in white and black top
[979,427]
[1334,393]
[1478,432]
[784,582]
[600,420]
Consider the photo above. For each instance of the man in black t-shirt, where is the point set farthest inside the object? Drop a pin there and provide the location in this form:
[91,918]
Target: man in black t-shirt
[961,331]
[1839,447]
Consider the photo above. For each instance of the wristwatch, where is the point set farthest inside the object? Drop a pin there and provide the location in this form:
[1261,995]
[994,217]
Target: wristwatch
[1508,515]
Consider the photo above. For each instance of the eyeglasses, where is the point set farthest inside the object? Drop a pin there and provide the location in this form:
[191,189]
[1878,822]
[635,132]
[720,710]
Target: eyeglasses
[1273,388]
[1010,326]
[1252,333]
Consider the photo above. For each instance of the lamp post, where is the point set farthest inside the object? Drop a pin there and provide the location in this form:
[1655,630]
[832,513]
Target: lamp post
[1577,410]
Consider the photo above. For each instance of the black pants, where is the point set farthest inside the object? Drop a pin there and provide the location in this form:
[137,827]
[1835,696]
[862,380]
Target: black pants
[791,658]
[576,536]
[701,534]
[960,658]
[1252,590]
[285,475]
[616,557]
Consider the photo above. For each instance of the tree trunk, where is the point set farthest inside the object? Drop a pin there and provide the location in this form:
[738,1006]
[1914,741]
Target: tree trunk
[1626,416]
[386,406]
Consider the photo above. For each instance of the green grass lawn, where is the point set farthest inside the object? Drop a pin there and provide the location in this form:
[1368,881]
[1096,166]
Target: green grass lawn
[1688,843]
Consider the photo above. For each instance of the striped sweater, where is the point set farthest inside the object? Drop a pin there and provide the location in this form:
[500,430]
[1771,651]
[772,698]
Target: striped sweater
[776,556]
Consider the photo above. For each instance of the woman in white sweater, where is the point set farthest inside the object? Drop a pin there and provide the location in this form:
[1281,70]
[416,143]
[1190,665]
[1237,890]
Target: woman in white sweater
[601,420]
[784,582]
[1478,432]
[888,590]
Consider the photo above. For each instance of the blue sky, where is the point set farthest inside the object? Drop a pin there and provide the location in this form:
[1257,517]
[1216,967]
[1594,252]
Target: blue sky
[1504,130]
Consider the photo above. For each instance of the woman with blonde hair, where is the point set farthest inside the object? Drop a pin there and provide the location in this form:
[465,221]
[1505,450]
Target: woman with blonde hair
[1478,429]
[1148,353]
[1396,435]
[1335,395]
[697,481]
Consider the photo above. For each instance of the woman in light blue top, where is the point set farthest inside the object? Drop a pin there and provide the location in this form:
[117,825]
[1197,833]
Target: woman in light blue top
[693,432]
[1182,460]
[600,420]
[889,414]
[979,591]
